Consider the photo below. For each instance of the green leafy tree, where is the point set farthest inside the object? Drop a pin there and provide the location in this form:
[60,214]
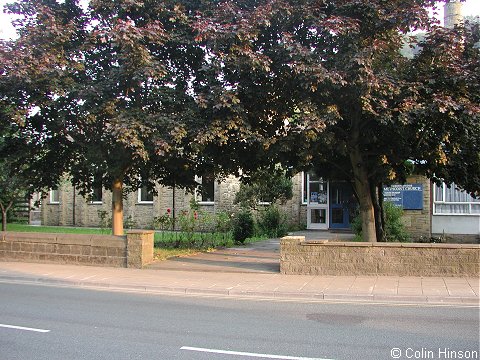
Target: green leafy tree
[444,126]
[263,191]
[106,94]
[265,186]
[14,184]
[324,84]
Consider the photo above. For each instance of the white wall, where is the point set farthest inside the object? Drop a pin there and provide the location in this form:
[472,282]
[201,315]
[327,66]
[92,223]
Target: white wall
[456,224]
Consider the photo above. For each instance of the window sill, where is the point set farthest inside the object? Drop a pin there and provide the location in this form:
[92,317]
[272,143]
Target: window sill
[144,203]
[456,214]
[206,203]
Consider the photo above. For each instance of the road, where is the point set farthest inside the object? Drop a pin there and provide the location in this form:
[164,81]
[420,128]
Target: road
[67,323]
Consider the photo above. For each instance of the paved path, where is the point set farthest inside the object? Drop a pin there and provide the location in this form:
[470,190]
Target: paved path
[260,285]
[248,272]
[260,257]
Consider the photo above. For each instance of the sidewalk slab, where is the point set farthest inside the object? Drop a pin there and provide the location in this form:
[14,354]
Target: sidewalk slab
[250,271]
[247,285]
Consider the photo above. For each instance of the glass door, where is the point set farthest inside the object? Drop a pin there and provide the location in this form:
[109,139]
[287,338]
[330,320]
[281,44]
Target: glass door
[343,205]
[317,202]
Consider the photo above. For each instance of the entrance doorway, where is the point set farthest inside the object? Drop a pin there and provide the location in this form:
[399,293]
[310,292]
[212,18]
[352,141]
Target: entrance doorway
[317,202]
[343,205]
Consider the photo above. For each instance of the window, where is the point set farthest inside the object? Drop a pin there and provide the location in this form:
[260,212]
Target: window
[314,186]
[54,196]
[96,196]
[454,201]
[145,196]
[206,190]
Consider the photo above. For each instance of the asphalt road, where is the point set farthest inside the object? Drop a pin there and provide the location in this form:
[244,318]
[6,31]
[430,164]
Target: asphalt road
[66,323]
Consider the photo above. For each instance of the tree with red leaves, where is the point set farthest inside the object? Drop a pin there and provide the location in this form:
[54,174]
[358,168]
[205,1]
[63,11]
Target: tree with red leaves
[323,84]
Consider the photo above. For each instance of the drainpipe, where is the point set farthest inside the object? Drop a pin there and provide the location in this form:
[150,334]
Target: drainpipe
[74,220]
[173,207]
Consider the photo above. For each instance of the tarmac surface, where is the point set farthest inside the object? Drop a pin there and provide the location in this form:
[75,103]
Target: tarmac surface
[249,272]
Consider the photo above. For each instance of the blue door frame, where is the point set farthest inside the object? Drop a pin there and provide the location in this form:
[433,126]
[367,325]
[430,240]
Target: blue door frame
[342,202]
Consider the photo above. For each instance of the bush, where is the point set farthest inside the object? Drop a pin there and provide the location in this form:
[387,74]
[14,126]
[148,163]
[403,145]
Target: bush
[394,228]
[265,185]
[272,222]
[195,229]
[243,226]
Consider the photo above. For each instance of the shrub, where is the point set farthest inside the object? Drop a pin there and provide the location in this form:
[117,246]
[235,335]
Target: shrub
[243,226]
[193,228]
[356,225]
[105,221]
[129,222]
[163,222]
[394,228]
[272,222]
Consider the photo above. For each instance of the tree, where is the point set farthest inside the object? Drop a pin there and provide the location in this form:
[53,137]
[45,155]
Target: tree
[106,94]
[445,125]
[265,186]
[14,181]
[324,84]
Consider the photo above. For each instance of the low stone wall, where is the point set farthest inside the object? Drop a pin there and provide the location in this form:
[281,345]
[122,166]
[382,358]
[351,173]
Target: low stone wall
[300,257]
[139,248]
[133,250]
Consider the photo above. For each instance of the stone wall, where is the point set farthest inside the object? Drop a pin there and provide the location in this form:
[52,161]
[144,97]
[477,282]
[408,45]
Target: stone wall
[295,211]
[300,257]
[142,215]
[133,250]
[139,248]
[419,222]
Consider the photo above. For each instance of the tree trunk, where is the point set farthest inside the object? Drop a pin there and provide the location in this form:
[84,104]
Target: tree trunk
[376,191]
[117,207]
[382,211]
[4,214]
[362,187]
[4,219]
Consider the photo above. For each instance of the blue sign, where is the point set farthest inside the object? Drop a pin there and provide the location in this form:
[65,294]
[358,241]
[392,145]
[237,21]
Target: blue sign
[407,196]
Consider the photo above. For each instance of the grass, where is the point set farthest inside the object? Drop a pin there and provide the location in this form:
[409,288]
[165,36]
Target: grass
[56,229]
[161,254]
[167,244]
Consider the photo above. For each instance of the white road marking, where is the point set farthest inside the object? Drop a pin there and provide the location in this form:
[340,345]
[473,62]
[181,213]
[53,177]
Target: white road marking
[247,354]
[23,328]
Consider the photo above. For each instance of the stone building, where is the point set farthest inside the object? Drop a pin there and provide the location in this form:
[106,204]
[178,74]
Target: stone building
[317,204]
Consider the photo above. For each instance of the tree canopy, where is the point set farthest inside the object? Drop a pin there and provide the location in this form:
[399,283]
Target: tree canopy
[106,93]
[265,186]
[324,84]
[128,92]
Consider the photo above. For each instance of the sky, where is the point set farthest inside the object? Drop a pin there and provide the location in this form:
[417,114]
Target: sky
[470,7]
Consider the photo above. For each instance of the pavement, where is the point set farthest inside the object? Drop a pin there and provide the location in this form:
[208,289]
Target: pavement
[250,271]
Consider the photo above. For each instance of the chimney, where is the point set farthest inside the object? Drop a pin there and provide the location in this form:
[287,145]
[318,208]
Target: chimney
[452,13]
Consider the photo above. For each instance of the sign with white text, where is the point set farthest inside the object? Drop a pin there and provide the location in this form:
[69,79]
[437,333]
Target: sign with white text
[406,196]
